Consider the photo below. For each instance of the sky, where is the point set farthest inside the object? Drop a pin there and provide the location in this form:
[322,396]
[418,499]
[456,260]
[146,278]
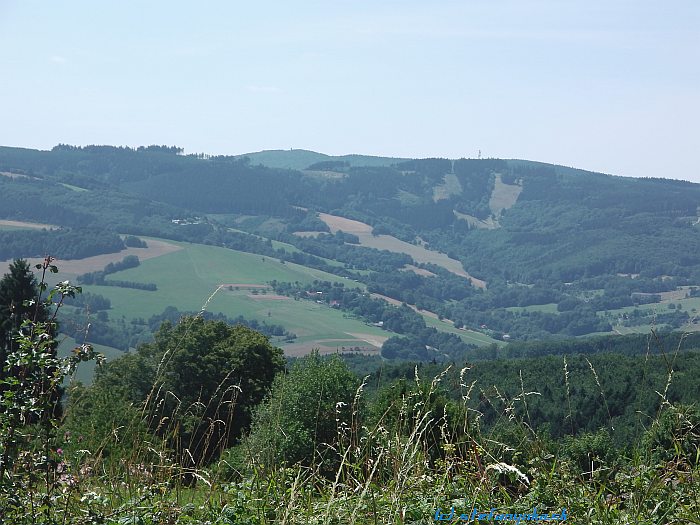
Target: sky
[610,86]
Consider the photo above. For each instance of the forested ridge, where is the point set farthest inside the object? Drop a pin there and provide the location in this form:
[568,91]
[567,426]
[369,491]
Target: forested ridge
[563,251]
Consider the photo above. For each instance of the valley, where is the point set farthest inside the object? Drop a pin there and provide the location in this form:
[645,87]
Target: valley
[484,251]
[349,263]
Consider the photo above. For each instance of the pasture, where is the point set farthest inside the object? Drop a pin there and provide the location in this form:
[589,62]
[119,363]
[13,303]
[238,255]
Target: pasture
[468,336]
[197,277]
[549,308]
[444,325]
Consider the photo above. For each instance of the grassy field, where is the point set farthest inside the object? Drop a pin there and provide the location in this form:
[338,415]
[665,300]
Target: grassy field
[7,227]
[23,225]
[504,196]
[74,188]
[432,320]
[191,278]
[449,187]
[550,308]
[691,305]
[468,336]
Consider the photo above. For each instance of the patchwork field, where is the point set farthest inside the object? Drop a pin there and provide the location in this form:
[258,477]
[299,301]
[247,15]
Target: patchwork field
[387,242]
[22,225]
[196,277]
[670,302]
[444,325]
[73,267]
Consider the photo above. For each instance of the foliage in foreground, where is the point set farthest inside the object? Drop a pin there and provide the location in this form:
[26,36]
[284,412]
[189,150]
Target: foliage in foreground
[320,449]
[400,467]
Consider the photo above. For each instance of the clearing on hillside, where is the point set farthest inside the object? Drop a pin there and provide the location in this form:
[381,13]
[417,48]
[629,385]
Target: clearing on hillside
[337,223]
[486,224]
[23,225]
[450,186]
[156,248]
[387,242]
[16,175]
[418,271]
[504,195]
[443,325]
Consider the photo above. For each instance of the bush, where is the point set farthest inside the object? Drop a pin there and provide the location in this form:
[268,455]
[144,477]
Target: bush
[300,420]
[202,378]
[675,435]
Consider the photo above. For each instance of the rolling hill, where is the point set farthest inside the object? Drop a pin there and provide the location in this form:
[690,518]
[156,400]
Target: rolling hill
[511,248]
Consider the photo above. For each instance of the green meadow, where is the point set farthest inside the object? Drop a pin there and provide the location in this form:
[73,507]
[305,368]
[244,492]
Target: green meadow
[468,336]
[191,279]
[549,308]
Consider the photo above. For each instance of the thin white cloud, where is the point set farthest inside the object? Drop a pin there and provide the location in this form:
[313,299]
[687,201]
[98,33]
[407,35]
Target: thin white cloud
[57,59]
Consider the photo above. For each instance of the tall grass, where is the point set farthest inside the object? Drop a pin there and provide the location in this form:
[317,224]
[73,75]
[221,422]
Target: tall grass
[415,458]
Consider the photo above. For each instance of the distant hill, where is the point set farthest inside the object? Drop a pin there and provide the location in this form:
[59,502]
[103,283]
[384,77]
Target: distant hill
[301,159]
[556,251]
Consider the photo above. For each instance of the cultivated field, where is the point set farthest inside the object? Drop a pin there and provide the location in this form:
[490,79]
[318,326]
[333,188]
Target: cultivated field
[73,267]
[22,225]
[221,280]
[444,325]
[387,242]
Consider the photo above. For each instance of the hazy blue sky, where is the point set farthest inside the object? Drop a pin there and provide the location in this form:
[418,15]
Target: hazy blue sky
[610,85]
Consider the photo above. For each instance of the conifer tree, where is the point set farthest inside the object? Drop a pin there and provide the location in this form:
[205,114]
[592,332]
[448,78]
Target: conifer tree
[17,288]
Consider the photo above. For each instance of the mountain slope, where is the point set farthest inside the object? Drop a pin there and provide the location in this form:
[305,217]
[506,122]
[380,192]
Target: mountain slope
[538,234]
